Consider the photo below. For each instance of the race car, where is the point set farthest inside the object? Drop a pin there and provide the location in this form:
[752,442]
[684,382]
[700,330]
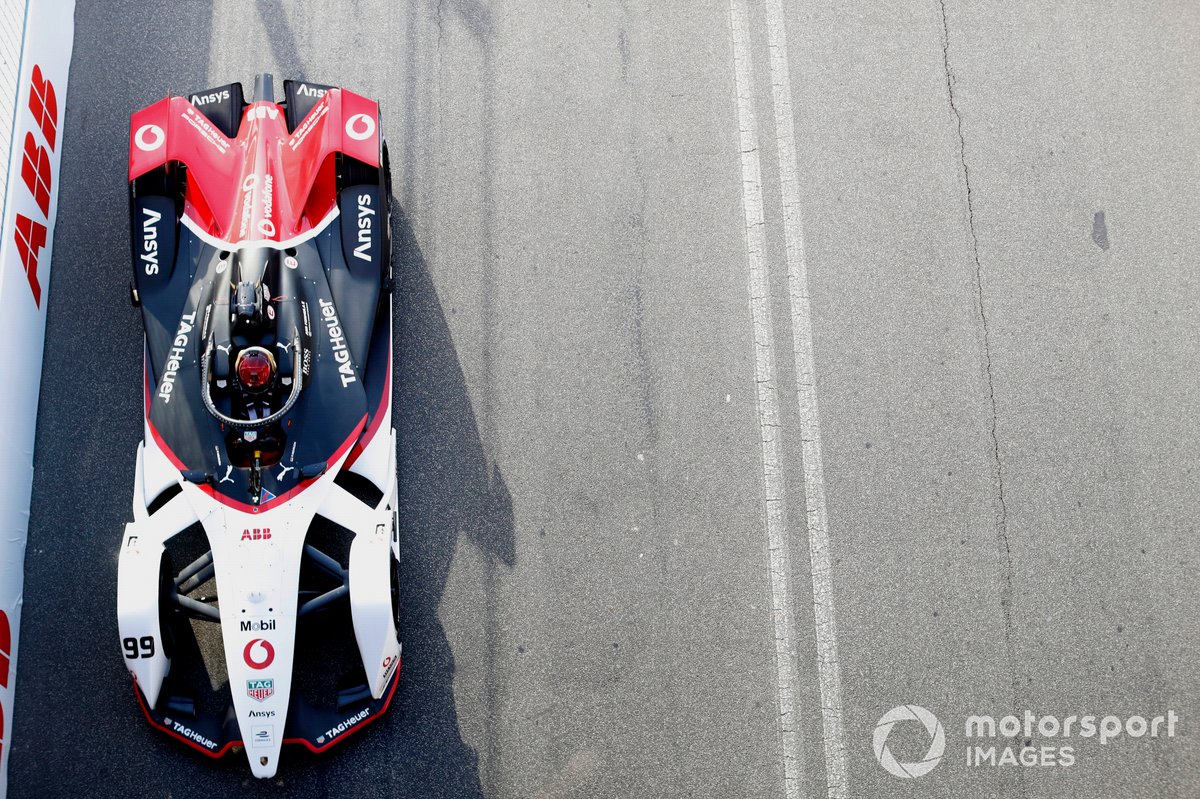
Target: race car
[257,591]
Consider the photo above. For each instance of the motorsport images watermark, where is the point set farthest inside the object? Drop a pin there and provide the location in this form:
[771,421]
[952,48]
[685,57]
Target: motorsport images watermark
[1057,737]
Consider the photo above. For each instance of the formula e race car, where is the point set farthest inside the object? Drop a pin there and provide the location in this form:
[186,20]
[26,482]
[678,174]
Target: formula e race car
[257,594]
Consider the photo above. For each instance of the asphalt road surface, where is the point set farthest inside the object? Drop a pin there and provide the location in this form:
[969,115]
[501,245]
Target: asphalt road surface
[606,328]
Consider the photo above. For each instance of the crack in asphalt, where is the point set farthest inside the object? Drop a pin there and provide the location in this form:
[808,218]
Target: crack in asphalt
[440,12]
[1005,550]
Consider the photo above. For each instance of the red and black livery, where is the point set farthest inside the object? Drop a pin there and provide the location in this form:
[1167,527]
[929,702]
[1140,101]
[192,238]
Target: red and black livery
[261,245]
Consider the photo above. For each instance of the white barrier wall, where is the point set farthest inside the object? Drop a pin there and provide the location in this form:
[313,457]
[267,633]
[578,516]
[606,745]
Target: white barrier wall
[35,53]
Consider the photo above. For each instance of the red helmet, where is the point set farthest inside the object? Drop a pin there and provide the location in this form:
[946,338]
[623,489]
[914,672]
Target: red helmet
[255,368]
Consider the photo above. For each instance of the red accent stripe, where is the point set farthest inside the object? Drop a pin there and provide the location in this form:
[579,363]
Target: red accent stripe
[380,412]
[233,503]
[284,497]
[295,490]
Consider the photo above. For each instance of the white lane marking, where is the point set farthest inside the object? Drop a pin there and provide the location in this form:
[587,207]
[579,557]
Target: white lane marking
[768,406]
[829,674]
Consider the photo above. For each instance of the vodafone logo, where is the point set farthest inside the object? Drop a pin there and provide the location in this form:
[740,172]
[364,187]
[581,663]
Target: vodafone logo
[259,653]
[360,127]
[149,138]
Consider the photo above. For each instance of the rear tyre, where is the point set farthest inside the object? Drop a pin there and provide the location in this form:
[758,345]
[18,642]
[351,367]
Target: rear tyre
[166,606]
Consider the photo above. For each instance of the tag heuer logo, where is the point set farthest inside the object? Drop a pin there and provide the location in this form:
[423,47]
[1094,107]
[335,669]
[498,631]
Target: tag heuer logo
[261,690]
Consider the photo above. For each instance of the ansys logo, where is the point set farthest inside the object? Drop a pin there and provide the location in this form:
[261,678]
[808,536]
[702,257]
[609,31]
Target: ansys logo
[937,741]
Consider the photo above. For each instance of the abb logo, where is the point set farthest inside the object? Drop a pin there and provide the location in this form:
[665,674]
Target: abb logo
[256,534]
[5,650]
[30,234]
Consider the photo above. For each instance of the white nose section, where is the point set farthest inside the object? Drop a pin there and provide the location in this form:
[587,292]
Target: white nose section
[258,564]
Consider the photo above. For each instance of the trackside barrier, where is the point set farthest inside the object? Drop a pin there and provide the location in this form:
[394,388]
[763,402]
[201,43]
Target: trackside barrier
[35,54]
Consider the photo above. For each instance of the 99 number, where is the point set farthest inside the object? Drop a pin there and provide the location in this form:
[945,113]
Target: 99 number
[139,647]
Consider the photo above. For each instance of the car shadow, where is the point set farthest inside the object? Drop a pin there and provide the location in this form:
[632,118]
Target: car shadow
[447,489]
